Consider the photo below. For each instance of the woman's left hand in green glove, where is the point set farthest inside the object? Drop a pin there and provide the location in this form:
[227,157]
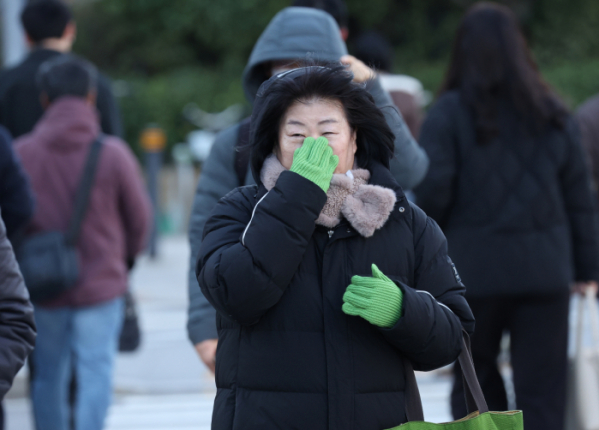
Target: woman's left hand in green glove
[377,299]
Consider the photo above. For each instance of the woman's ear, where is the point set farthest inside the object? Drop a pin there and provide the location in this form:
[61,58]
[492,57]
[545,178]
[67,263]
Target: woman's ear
[354,141]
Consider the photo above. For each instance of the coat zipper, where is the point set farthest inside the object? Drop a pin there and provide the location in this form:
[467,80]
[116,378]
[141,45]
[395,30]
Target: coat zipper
[331,232]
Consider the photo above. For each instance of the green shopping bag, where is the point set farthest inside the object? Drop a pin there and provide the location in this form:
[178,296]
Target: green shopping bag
[478,418]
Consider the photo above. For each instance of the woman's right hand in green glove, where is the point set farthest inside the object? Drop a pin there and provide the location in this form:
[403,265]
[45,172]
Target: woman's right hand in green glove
[315,161]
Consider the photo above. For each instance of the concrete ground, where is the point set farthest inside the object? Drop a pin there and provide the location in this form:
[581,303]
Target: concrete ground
[164,386]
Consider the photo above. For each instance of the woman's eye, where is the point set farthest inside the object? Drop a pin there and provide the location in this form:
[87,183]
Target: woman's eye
[297,135]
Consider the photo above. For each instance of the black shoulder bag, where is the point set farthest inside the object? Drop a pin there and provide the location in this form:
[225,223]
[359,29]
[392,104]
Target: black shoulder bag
[49,260]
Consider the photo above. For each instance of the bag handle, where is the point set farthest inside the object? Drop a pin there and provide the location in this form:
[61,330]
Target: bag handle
[475,400]
[412,399]
[83,192]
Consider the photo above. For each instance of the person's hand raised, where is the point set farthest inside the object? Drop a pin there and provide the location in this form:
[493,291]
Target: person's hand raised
[361,71]
[315,161]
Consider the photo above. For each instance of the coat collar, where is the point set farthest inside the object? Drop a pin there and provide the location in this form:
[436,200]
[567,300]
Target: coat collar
[381,176]
[39,55]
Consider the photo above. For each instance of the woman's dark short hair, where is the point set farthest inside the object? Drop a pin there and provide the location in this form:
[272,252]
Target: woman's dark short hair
[375,140]
[67,75]
[45,19]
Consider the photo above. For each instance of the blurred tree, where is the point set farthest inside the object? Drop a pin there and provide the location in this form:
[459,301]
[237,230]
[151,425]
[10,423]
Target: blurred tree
[424,29]
[175,51]
[156,36]
[172,52]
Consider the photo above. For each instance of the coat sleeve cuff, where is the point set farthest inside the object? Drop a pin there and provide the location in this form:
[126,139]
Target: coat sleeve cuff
[426,334]
[204,329]
[411,330]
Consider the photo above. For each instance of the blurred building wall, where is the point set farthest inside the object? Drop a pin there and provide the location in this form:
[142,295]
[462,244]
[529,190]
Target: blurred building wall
[14,46]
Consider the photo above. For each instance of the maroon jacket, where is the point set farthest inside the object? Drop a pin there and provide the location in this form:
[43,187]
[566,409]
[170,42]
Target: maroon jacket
[118,216]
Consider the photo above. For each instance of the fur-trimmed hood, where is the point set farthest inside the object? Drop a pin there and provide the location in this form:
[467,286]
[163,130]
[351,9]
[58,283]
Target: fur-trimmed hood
[366,207]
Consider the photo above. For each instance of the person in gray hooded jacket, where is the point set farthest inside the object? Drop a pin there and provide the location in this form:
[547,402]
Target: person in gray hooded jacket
[295,33]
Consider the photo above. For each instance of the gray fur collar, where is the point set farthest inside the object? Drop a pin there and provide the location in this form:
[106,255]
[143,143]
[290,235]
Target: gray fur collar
[366,207]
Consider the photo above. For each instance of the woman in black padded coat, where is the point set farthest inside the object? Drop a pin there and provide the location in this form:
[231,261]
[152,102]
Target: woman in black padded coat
[324,276]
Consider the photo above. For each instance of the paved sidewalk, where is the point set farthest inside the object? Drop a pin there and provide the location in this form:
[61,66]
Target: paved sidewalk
[164,386]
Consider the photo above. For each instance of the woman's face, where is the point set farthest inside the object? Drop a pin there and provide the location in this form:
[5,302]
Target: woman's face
[315,118]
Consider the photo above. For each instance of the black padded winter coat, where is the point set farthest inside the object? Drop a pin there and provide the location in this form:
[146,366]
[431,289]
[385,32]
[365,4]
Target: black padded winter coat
[17,325]
[517,211]
[288,357]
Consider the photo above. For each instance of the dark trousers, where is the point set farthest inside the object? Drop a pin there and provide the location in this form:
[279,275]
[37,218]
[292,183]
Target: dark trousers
[538,328]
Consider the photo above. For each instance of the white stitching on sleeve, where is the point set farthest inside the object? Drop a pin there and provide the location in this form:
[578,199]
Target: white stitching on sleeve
[426,292]
[253,213]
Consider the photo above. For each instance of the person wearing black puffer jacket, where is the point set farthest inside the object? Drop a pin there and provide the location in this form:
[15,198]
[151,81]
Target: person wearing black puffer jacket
[509,187]
[17,325]
[295,33]
[324,277]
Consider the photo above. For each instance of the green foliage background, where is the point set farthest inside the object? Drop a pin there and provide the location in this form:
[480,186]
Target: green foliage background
[172,52]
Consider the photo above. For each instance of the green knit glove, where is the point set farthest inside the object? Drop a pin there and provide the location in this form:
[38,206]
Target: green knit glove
[315,161]
[378,300]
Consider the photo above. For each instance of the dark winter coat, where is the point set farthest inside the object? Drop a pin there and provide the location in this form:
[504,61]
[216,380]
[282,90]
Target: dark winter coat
[17,325]
[587,116]
[517,211]
[118,216]
[288,357]
[293,33]
[20,106]
[16,199]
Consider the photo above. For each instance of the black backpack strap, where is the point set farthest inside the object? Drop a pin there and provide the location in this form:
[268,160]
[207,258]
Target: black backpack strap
[242,151]
[83,192]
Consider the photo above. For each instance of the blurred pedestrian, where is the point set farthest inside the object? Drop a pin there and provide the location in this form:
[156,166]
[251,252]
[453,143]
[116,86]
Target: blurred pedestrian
[17,326]
[509,187]
[84,321]
[587,116]
[325,278]
[407,92]
[51,32]
[293,34]
[16,199]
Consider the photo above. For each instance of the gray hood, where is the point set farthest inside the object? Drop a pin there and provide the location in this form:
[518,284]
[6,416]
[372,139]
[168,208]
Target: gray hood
[294,33]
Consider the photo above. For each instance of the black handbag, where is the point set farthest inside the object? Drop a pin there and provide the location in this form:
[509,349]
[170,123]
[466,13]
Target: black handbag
[130,336]
[49,261]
